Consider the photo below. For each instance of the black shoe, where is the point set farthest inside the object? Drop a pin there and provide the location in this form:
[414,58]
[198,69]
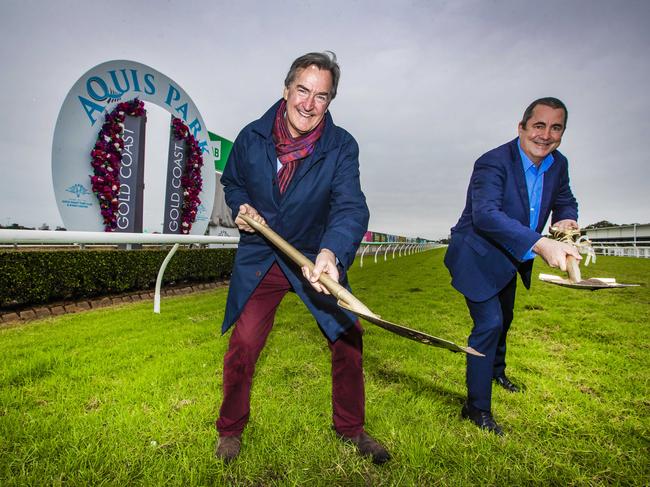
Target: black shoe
[504,382]
[482,419]
[368,446]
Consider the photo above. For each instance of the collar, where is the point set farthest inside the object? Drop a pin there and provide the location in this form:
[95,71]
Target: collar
[527,163]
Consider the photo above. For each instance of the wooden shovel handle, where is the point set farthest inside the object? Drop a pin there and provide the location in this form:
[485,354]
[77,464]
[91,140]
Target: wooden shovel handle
[573,268]
[290,251]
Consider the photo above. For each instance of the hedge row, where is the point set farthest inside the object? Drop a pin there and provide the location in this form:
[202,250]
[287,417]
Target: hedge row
[37,277]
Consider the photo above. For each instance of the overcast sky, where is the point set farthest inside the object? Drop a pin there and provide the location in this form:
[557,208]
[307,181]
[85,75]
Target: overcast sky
[426,88]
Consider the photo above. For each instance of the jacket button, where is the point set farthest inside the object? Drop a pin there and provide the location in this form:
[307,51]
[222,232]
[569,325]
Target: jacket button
[258,274]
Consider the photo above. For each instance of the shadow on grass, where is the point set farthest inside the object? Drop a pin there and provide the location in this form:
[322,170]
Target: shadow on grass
[387,376]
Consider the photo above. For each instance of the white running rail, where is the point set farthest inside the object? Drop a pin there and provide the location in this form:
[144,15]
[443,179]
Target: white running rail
[384,248]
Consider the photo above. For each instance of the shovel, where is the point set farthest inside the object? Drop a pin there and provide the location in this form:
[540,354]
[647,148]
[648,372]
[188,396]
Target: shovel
[346,300]
[575,278]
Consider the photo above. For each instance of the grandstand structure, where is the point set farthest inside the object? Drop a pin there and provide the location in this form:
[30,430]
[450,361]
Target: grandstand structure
[621,240]
[375,237]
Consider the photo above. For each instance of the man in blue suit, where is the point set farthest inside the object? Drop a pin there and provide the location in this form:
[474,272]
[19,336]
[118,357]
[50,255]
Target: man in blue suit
[296,170]
[512,191]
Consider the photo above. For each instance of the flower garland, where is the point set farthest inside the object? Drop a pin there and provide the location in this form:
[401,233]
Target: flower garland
[107,158]
[191,181]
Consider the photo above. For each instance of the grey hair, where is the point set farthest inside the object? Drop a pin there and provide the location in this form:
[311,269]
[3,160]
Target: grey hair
[322,60]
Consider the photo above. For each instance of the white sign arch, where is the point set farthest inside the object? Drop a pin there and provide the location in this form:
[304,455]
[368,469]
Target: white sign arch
[81,116]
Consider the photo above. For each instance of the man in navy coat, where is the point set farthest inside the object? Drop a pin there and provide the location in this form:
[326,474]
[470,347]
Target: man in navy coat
[297,171]
[512,191]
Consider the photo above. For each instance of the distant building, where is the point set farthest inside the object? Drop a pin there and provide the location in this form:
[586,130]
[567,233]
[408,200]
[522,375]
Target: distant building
[221,223]
[635,235]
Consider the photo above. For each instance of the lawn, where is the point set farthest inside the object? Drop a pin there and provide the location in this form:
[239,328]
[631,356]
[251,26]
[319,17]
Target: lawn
[121,396]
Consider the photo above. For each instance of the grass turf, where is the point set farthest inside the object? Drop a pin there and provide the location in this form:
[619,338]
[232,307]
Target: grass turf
[123,396]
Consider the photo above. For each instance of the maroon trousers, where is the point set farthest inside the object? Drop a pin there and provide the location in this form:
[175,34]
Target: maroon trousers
[247,341]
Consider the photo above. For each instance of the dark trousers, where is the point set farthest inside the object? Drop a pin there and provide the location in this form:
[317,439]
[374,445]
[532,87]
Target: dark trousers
[492,319]
[247,341]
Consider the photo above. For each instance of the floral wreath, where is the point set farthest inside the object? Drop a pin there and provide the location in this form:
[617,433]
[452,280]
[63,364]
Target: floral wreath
[107,158]
[191,181]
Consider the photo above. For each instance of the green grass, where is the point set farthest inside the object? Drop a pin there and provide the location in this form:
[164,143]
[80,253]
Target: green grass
[121,396]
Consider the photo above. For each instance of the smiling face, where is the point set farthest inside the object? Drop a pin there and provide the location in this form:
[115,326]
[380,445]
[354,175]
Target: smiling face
[308,97]
[542,133]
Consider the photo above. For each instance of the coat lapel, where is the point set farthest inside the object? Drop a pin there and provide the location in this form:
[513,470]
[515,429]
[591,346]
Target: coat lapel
[263,127]
[520,178]
[272,159]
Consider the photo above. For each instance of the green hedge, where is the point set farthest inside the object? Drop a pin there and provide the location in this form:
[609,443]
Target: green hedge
[38,277]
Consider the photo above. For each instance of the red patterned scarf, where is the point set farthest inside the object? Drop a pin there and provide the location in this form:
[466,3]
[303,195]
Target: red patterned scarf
[291,150]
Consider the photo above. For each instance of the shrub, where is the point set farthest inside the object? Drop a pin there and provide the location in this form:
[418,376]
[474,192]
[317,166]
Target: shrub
[38,277]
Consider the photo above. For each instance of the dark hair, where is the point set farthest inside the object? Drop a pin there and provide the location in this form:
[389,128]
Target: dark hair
[549,101]
[322,60]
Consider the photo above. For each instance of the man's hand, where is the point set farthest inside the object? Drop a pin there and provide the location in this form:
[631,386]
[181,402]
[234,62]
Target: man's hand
[251,212]
[555,253]
[566,225]
[325,262]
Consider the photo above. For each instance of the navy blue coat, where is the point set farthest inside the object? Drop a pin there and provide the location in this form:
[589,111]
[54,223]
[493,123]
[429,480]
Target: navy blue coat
[323,207]
[492,235]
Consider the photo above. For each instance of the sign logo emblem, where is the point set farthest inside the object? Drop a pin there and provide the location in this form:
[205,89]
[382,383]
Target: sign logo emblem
[78,190]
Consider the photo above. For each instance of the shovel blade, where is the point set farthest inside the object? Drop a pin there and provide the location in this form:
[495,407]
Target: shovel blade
[590,284]
[411,334]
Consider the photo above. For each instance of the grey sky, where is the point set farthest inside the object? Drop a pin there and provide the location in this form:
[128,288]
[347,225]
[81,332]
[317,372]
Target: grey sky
[426,88]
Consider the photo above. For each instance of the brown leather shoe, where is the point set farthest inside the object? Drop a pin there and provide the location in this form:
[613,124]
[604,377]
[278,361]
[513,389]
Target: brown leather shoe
[368,446]
[228,448]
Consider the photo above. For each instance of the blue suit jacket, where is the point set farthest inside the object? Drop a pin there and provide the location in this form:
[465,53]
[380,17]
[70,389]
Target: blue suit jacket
[492,235]
[323,207]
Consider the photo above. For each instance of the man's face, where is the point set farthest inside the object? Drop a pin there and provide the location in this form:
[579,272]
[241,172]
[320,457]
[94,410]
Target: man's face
[308,97]
[543,132]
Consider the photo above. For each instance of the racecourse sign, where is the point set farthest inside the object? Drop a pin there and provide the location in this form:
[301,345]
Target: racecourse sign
[80,119]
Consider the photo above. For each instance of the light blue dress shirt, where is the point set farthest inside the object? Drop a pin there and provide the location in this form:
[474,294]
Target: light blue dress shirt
[535,185]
